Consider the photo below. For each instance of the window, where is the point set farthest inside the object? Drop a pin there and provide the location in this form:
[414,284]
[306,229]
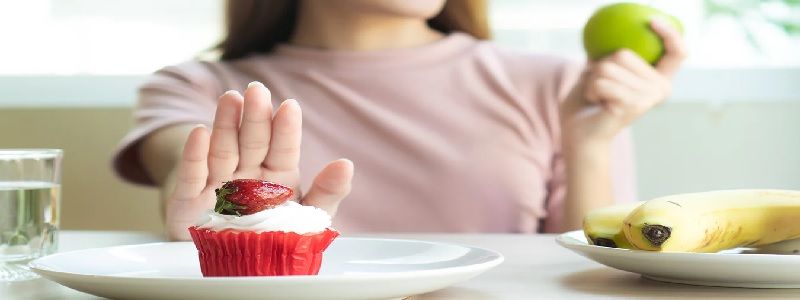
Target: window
[720,33]
[126,37]
[66,37]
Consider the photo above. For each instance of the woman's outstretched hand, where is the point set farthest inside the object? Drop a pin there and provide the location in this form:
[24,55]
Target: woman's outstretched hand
[247,141]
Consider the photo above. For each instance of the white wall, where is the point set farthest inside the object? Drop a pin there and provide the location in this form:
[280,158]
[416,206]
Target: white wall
[694,146]
[722,129]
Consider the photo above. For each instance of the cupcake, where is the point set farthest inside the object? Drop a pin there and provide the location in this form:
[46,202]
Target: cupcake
[255,231]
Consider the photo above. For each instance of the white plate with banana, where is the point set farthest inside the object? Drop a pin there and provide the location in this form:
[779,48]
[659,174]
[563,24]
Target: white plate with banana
[733,238]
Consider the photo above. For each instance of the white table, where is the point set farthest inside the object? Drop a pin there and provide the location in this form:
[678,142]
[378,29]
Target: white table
[535,267]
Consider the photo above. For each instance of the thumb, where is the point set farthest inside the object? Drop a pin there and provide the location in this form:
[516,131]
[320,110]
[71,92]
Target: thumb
[330,186]
[675,49]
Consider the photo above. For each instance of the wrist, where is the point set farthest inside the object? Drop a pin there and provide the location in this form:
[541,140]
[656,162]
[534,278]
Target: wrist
[584,146]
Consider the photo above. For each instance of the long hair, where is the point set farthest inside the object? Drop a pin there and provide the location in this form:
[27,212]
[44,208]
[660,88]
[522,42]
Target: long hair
[256,26]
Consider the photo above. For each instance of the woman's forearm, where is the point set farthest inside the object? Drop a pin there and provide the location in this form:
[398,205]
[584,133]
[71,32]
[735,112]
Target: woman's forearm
[588,181]
[160,151]
[159,154]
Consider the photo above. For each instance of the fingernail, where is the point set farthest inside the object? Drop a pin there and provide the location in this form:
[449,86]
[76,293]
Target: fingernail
[289,101]
[254,83]
[200,126]
[232,92]
[661,21]
[658,18]
[350,162]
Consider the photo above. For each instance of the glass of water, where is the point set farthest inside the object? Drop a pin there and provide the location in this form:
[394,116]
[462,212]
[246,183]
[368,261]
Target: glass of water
[30,196]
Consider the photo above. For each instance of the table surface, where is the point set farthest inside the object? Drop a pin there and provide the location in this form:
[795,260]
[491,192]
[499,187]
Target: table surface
[534,267]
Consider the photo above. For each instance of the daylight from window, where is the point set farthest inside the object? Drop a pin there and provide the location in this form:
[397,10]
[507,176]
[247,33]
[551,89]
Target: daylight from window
[124,37]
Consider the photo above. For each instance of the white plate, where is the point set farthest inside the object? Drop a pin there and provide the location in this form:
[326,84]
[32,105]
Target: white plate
[353,268]
[731,268]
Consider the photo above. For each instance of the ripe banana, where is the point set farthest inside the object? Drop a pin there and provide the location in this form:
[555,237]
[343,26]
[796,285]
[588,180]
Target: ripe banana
[714,221]
[782,247]
[603,226]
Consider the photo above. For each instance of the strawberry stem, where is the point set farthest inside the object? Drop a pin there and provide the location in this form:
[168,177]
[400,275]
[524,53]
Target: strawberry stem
[224,206]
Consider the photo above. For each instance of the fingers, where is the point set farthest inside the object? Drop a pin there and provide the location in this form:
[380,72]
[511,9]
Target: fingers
[622,67]
[626,73]
[330,186]
[254,135]
[675,50]
[193,167]
[223,153]
[635,64]
[617,97]
[284,148]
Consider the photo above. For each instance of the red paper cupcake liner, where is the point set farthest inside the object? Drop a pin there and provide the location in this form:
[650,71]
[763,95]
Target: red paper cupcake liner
[274,253]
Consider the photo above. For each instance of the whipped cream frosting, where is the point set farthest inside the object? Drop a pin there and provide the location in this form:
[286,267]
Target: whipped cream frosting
[289,217]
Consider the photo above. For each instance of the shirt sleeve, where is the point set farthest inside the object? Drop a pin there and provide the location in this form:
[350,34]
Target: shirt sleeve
[623,171]
[181,94]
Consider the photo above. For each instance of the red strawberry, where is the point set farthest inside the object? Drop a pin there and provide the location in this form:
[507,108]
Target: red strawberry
[249,196]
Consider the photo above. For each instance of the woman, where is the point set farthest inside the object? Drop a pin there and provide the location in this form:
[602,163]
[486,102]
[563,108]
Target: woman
[449,132]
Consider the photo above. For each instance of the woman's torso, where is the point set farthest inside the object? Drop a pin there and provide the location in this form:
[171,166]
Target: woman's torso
[453,138]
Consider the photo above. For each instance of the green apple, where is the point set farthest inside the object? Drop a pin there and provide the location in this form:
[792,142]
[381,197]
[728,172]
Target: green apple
[625,25]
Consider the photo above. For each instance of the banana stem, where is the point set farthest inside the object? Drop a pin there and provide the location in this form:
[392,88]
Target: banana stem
[603,242]
[656,234]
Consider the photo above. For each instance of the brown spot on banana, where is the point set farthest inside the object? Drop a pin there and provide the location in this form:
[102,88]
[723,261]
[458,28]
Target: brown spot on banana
[711,236]
[751,243]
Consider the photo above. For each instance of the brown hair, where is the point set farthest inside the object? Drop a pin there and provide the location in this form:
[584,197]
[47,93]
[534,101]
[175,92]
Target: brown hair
[256,26]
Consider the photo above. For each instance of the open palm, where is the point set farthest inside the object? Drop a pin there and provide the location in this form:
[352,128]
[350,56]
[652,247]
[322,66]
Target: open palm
[247,141]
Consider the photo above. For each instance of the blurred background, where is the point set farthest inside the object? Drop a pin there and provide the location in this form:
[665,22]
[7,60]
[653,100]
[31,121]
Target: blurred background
[69,71]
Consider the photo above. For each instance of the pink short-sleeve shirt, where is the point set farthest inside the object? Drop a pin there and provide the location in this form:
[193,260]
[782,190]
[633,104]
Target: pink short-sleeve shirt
[455,136]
